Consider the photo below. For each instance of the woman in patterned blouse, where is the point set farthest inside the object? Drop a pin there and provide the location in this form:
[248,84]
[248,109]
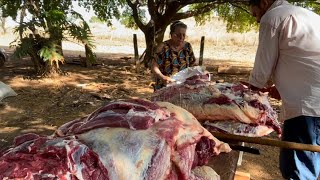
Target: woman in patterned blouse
[172,55]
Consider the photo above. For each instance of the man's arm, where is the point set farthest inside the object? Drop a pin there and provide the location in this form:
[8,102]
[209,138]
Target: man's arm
[266,57]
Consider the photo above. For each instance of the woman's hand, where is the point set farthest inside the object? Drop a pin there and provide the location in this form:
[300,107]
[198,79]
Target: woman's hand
[167,79]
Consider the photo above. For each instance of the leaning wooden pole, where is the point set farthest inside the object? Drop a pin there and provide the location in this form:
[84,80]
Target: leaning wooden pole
[267,141]
[136,53]
[201,51]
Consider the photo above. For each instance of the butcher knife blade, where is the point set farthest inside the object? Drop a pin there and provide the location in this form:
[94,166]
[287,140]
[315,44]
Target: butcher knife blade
[244,149]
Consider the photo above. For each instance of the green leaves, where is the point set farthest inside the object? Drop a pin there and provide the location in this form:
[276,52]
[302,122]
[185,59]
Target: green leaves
[49,53]
[56,17]
[95,19]
[80,31]
[22,47]
[128,20]
[48,23]
[202,17]
[10,8]
[237,17]
[105,9]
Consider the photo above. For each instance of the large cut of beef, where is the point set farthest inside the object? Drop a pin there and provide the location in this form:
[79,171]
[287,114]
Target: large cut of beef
[238,128]
[35,157]
[124,140]
[209,101]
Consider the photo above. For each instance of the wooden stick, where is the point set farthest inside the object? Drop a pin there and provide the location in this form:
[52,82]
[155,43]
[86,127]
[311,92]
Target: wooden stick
[135,46]
[136,53]
[267,141]
[201,51]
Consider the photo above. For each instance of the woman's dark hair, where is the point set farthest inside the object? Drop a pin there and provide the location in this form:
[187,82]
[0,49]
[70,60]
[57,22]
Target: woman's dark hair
[177,24]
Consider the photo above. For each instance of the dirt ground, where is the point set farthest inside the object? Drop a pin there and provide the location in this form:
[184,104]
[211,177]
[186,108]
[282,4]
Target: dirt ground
[44,104]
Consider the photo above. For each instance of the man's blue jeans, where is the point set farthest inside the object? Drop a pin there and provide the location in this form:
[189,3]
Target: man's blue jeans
[303,165]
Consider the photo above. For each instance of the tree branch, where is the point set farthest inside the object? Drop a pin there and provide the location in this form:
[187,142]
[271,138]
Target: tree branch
[152,8]
[161,4]
[172,8]
[208,7]
[187,2]
[195,12]
[135,14]
[239,6]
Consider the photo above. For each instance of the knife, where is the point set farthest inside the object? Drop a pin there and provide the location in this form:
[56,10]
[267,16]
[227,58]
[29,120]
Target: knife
[244,149]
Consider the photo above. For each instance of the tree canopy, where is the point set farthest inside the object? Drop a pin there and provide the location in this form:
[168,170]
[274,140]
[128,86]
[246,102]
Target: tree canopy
[134,13]
[153,16]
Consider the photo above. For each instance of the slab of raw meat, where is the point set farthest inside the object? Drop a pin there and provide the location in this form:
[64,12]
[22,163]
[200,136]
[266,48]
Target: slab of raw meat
[138,139]
[237,128]
[221,101]
[125,140]
[35,157]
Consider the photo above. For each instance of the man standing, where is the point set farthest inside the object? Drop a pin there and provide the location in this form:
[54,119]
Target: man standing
[289,56]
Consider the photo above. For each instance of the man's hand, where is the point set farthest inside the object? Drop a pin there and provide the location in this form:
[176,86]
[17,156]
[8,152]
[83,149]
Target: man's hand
[250,86]
[272,91]
[245,83]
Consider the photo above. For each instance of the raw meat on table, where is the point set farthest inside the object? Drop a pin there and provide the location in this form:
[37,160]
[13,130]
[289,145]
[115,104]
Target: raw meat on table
[128,139]
[209,101]
[51,158]
[237,128]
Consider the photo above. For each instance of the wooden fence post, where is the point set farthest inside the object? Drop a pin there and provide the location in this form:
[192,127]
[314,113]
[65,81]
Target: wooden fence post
[136,53]
[201,51]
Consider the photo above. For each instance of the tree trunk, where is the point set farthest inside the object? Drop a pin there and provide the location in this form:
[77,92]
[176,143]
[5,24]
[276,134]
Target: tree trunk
[22,15]
[153,38]
[60,51]
[3,25]
[42,68]
[38,63]
[90,57]
[51,69]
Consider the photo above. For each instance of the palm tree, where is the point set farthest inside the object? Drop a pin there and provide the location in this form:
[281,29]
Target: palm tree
[48,23]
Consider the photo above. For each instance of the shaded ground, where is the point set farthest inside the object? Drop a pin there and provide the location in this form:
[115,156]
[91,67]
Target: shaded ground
[44,104]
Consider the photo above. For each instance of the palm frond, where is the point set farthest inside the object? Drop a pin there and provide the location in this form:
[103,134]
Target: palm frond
[49,53]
